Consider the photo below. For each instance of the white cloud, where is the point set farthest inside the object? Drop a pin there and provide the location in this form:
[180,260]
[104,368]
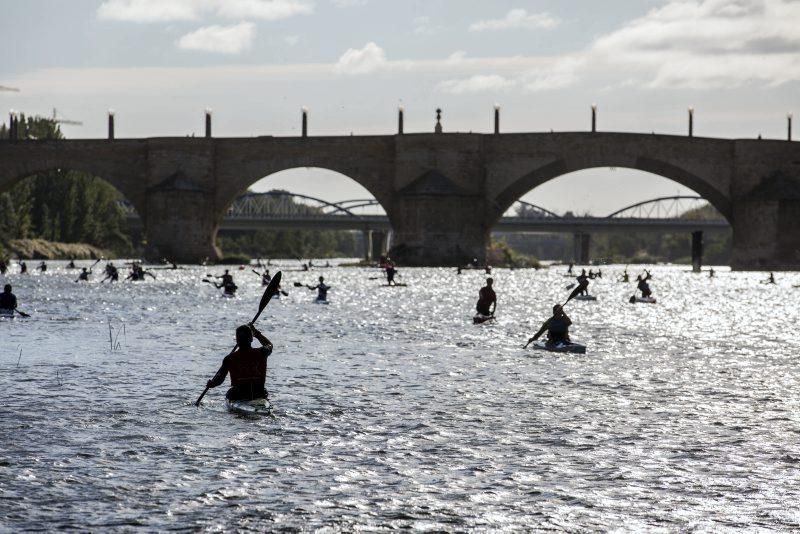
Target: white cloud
[708,44]
[348,3]
[263,9]
[423,26]
[476,84]
[516,19]
[564,73]
[291,40]
[361,61]
[221,39]
[177,10]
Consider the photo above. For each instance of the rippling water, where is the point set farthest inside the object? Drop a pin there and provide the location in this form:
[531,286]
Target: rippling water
[392,410]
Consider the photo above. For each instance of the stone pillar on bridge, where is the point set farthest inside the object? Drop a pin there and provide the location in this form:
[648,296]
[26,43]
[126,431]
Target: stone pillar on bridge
[435,222]
[697,250]
[366,237]
[380,241]
[581,243]
[180,222]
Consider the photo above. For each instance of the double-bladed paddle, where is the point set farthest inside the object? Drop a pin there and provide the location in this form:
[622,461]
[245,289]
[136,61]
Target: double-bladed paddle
[581,286]
[272,288]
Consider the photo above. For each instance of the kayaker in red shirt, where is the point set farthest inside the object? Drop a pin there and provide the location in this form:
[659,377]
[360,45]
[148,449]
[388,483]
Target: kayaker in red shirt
[247,366]
[487,300]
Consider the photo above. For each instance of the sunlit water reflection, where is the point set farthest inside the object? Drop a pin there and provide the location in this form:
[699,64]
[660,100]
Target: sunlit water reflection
[393,410]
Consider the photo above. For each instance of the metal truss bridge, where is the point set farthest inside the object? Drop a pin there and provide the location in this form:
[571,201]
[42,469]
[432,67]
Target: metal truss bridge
[284,210]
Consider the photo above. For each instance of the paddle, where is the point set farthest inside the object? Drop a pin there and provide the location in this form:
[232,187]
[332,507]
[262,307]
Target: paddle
[22,313]
[272,288]
[583,285]
[298,284]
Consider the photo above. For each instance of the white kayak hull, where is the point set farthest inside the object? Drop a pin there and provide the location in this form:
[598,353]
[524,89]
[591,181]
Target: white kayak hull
[479,318]
[573,348]
[644,300]
[586,297]
[251,407]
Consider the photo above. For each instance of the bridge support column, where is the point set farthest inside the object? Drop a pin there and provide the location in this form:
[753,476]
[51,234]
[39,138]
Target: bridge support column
[379,244]
[366,237]
[765,235]
[581,243]
[697,251]
[180,226]
[439,230]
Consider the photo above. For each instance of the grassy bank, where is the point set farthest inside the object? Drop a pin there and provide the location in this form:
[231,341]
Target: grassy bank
[40,249]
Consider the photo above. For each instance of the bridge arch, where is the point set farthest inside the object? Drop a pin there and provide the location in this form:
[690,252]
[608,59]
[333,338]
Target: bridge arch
[360,186]
[555,169]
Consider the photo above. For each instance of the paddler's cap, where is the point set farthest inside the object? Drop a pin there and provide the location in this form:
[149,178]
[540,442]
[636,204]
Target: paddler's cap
[244,336]
[7,288]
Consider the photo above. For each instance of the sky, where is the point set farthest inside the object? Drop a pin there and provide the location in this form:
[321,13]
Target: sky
[160,63]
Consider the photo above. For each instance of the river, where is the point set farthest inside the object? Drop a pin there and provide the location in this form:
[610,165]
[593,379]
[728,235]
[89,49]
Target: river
[391,410]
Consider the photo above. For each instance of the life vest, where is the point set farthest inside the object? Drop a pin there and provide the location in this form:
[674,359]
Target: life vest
[248,366]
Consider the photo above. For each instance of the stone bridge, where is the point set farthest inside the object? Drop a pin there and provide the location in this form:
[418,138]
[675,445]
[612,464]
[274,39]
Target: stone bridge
[442,192]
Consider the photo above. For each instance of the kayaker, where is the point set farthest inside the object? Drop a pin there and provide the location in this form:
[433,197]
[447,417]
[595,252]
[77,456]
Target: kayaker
[111,273]
[558,326]
[770,280]
[266,278]
[23,267]
[227,278]
[390,272]
[3,266]
[487,269]
[642,285]
[247,366]
[625,277]
[583,281]
[84,276]
[569,269]
[458,270]
[42,266]
[322,289]
[229,288]
[487,299]
[7,299]
[71,264]
[711,272]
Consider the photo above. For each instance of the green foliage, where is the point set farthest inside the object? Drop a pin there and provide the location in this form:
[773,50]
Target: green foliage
[61,205]
[291,244]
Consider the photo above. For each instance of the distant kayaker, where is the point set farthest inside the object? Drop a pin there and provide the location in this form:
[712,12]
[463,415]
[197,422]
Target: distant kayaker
[71,264]
[625,277]
[23,267]
[84,276]
[42,266]
[111,273]
[487,269]
[227,278]
[390,272]
[770,280]
[643,286]
[569,269]
[487,299]
[583,281]
[458,270]
[3,266]
[7,299]
[266,278]
[247,366]
[711,272]
[322,289]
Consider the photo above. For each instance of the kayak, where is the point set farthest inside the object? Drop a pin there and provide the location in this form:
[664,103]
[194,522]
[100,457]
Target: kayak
[480,318]
[320,301]
[574,348]
[249,407]
[394,285]
[5,312]
[646,300]
[585,297]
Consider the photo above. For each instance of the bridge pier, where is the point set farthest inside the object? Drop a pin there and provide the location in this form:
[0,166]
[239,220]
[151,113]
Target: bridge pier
[179,223]
[765,235]
[439,230]
[697,250]
[581,243]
